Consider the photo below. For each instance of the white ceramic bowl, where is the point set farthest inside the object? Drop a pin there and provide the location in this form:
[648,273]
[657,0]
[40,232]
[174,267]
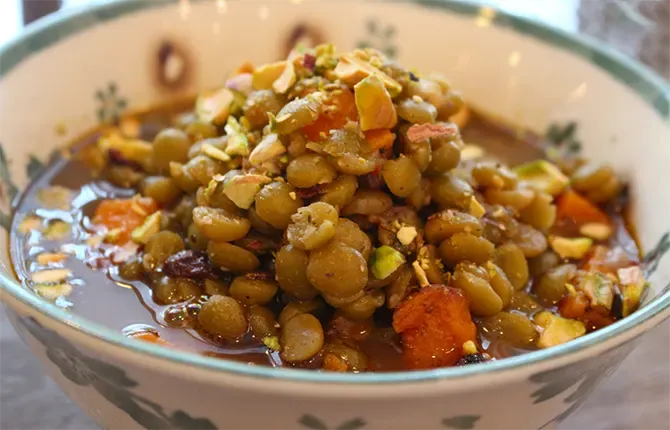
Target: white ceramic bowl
[71,71]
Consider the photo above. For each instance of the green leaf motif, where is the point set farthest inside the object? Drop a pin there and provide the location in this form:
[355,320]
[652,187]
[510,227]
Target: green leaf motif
[585,375]
[5,220]
[653,258]
[371,26]
[34,167]
[109,381]
[110,104]
[562,138]
[8,189]
[461,422]
[311,422]
[379,37]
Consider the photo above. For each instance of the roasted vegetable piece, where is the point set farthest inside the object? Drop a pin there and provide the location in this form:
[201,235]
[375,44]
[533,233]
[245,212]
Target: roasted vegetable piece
[574,207]
[339,107]
[434,324]
[122,216]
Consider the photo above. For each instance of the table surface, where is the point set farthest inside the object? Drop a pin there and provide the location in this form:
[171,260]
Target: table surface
[637,396]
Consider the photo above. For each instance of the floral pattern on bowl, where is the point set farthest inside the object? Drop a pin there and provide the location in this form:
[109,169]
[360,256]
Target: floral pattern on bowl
[548,391]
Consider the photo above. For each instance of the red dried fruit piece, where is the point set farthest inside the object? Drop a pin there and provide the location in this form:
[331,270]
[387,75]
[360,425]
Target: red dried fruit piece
[309,62]
[419,132]
[189,264]
[434,324]
[311,192]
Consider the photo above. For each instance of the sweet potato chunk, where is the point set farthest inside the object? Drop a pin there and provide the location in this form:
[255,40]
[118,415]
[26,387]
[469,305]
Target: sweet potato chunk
[340,108]
[434,324]
[121,216]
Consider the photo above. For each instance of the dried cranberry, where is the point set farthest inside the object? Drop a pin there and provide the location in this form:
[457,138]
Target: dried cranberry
[309,62]
[471,359]
[188,264]
[308,193]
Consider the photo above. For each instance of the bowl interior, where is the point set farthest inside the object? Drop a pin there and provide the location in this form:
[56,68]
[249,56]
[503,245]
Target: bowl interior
[521,72]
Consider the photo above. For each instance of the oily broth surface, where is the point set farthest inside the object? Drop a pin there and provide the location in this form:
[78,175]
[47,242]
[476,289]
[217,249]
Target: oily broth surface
[100,294]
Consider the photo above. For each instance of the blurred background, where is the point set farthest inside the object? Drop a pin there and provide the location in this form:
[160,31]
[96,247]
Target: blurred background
[636,396]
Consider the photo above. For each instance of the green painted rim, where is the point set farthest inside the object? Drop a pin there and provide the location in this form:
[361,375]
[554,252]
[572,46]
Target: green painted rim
[648,86]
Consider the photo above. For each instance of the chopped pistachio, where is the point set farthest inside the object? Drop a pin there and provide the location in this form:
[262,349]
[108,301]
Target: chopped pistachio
[469,347]
[264,76]
[237,104]
[55,197]
[242,189]
[326,58]
[472,152]
[297,114]
[268,148]
[53,292]
[46,258]
[596,230]
[272,342]
[134,150]
[288,77]
[406,234]
[633,284]
[374,104]
[571,247]
[599,289]
[214,106]
[113,235]
[150,226]
[476,209]
[351,70]
[135,207]
[420,274]
[30,223]
[384,261]
[50,276]
[541,175]
[557,330]
[57,230]
[237,138]
[214,152]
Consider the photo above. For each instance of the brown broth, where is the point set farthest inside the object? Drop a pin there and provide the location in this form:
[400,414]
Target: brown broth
[101,295]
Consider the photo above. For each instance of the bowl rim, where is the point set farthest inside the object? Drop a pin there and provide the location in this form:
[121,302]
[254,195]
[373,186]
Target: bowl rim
[646,83]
